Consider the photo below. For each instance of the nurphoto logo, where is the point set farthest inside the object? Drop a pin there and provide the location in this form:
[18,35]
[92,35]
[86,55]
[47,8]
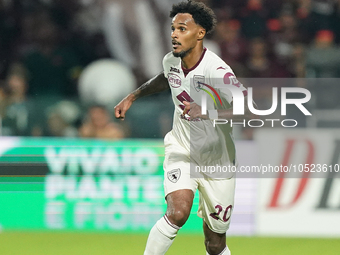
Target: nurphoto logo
[238,105]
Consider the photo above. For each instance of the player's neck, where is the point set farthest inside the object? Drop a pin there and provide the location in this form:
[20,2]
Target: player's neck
[193,57]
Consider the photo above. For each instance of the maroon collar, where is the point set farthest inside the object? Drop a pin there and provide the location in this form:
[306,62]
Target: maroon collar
[186,71]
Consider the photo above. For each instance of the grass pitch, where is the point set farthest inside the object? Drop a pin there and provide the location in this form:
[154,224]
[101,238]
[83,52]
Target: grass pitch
[69,243]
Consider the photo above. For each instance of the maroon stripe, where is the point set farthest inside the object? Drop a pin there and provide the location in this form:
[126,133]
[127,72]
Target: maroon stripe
[172,225]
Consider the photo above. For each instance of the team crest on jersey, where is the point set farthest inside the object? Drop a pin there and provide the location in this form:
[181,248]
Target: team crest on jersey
[174,175]
[198,82]
[174,80]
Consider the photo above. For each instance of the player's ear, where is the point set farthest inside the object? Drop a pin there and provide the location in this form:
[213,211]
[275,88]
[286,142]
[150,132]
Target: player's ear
[201,34]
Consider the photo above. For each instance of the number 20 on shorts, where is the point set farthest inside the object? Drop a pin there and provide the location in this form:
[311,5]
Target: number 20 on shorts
[216,215]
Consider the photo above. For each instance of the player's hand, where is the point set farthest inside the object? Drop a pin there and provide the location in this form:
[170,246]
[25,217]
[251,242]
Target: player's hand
[193,110]
[123,106]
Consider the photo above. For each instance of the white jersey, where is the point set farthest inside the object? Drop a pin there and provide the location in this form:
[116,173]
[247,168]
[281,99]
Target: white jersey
[206,144]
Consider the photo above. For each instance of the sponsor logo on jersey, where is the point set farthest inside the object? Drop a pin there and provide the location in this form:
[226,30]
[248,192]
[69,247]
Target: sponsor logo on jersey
[174,80]
[230,79]
[173,69]
[174,175]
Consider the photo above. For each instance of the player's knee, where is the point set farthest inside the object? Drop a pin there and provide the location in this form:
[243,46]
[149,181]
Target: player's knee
[214,248]
[179,217]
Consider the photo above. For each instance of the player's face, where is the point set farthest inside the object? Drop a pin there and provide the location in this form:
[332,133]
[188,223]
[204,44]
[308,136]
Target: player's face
[185,34]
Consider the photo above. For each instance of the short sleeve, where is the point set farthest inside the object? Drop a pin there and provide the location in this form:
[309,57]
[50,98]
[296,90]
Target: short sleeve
[224,80]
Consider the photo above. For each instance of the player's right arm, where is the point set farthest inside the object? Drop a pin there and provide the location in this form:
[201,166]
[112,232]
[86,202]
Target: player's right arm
[156,84]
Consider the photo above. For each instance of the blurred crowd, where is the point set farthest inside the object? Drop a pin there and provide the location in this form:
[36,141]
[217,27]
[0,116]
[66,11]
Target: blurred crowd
[66,63]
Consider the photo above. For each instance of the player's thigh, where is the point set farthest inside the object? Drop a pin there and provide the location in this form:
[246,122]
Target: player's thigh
[216,203]
[177,168]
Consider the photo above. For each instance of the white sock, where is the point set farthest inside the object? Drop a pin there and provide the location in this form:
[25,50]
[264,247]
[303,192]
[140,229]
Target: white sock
[161,237]
[226,251]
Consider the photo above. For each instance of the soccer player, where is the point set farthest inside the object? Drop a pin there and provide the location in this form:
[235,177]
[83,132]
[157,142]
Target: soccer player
[191,70]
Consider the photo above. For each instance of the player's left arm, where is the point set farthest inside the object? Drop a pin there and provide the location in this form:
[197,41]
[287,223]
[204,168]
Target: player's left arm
[227,114]
[195,111]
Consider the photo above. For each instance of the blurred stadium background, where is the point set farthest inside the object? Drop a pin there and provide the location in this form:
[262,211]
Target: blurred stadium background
[73,180]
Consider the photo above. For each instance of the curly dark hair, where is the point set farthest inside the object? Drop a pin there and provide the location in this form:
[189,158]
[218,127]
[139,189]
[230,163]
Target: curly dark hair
[202,14]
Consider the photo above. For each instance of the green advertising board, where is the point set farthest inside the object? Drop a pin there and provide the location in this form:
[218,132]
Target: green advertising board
[74,184]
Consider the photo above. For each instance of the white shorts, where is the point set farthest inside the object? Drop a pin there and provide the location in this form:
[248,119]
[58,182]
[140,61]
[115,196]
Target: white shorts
[216,196]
